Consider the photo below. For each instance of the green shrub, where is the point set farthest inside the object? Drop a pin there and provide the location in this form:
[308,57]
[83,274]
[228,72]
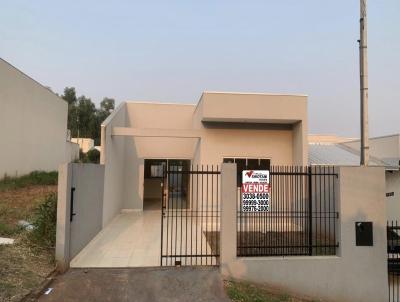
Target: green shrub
[33,178]
[93,156]
[45,221]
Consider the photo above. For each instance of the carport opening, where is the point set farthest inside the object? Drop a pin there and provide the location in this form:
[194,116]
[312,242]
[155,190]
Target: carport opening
[177,184]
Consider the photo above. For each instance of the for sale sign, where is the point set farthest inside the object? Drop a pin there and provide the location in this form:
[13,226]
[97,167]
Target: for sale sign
[255,191]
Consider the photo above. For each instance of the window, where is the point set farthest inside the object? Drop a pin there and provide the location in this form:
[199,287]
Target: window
[154,168]
[248,164]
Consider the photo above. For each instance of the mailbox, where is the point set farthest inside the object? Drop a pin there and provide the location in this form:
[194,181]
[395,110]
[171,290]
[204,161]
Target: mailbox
[364,234]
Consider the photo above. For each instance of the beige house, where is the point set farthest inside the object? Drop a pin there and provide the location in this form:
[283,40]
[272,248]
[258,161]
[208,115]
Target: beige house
[85,144]
[139,139]
[33,125]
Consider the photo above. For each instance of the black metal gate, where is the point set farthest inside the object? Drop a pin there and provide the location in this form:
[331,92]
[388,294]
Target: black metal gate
[393,260]
[302,218]
[190,216]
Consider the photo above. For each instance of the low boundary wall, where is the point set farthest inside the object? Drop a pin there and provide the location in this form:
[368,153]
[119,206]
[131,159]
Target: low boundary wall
[82,186]
[357,273]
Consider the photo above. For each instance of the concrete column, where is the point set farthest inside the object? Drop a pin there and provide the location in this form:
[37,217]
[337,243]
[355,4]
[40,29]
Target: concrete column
[228,216]
[63,229]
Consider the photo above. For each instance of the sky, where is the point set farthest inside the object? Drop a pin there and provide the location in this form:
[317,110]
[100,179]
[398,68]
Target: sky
[172,51]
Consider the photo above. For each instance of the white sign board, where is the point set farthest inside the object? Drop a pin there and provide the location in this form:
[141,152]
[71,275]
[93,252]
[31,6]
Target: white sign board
[255,191]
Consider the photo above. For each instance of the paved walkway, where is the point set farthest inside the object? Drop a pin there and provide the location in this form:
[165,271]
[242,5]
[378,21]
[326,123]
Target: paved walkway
[132,239]
[138,284]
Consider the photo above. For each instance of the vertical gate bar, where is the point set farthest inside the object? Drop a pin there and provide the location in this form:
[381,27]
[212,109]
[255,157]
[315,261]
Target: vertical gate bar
[218,217]
[334,208]
[212,244]
[181,211]
[320,207]
[324,212]
[166,195]
[197,208]
[201,216]
[162,220]
[191,214]
[329,209]
[206,217]
[187,195]
[310,210]
[176,216]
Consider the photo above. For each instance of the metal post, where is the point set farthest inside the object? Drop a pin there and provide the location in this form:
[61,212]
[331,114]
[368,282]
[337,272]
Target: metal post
[364,152]
[310,210]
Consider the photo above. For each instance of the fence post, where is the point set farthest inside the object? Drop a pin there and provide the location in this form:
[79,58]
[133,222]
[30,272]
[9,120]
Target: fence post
[63,229]
[228,228]
[310,210]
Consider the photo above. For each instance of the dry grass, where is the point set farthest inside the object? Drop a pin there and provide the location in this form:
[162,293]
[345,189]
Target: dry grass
[250,292]
[23,265]
[18,204]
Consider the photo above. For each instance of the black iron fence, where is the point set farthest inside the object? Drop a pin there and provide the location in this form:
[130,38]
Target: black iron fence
[393,259]
[301,219]
[190,216]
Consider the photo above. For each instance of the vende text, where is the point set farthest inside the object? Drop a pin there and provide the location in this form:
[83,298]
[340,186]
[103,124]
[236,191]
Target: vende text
[255,188]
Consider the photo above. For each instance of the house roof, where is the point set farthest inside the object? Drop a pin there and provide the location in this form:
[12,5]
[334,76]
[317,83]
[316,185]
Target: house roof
[341,155]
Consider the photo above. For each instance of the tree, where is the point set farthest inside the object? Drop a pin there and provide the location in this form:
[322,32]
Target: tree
[84,119]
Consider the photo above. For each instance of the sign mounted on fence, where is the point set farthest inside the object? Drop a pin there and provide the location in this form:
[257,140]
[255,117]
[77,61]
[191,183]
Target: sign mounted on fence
[255,191]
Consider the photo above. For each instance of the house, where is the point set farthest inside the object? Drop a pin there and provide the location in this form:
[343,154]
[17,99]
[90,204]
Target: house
[139,140]
[85,144]
[33,125]
[384,152]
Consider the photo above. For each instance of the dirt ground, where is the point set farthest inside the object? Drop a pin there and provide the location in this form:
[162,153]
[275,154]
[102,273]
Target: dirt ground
[23,265]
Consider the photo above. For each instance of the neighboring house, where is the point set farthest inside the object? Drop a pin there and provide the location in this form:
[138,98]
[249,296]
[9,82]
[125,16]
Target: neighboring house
[384,152]
[139,140]
[33,124]
[85,144]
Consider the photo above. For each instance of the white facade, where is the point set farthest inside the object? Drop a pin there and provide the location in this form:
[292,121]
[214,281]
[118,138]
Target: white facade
[33,124]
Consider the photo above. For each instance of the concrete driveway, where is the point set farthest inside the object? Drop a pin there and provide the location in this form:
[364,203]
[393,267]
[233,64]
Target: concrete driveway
[138,284]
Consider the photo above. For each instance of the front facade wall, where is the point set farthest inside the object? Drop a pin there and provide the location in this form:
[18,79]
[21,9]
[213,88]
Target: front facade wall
[356,274]
[282,143]
[33,124]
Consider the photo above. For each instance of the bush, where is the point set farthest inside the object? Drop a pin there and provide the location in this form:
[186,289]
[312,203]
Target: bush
[93,156]
[45,221]
[33,178]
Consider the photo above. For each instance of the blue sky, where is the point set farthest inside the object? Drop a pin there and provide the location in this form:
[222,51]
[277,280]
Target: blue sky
[171,51]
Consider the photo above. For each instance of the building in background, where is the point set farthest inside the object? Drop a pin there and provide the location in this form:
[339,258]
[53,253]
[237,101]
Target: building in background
[85,144]
[384,152]
[33,125]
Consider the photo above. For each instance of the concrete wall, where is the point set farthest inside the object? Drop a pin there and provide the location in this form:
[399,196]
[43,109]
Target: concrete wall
[393,202]
[33,124]
[71,152]
[112,155]
[355,274]
[72,236]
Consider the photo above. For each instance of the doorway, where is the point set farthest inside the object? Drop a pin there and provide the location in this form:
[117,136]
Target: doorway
[178,183]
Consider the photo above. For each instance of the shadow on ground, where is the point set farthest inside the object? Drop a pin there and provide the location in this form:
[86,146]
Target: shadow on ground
[138,284]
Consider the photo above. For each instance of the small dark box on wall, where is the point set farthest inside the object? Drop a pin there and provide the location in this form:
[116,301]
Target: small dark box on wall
[364,234]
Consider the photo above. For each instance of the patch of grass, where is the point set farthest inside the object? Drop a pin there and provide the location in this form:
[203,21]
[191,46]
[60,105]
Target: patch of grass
[44,221]
[31,179]
[19,204]
[249,292]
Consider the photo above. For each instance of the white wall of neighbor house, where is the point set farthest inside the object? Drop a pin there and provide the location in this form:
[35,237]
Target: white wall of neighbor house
[33,124]
[356,274]
[72,152]
[393,196]
[112,156]
[383,147]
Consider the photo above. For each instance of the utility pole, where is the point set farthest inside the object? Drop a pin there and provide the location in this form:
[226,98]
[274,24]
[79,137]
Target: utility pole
[364,150]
